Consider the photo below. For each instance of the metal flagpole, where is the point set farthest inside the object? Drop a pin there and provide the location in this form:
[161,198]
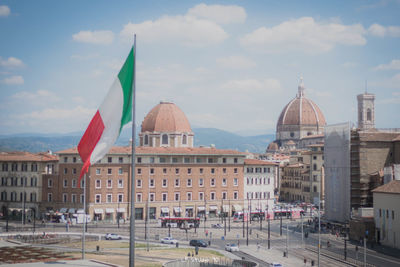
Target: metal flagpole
[132,219]
[84,216]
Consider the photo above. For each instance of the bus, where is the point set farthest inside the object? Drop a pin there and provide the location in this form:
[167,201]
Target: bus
[179,222]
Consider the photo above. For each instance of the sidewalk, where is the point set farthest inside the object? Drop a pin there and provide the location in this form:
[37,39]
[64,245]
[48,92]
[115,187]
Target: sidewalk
[272,255]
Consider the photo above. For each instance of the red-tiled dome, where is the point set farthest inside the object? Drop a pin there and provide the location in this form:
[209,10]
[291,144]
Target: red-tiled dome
[166,117]
[301,111]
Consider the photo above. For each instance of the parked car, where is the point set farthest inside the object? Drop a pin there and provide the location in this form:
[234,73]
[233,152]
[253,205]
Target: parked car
[198,243]
[112,237]
[169,240]
[275,264]
[217,225]
[231,247]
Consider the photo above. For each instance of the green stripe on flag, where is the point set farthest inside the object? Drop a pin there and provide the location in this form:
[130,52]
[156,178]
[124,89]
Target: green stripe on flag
[125,77]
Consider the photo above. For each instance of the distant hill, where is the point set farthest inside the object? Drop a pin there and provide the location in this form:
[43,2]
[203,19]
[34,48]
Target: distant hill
[36,142]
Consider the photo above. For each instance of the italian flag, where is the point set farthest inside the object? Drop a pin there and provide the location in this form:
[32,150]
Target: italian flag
[112,115]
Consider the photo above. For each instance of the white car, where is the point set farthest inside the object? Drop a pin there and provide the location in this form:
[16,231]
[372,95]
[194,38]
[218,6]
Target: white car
[231,247]
[112,237]
[169,240]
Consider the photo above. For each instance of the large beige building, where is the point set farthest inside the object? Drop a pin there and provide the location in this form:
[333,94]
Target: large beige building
[22,180]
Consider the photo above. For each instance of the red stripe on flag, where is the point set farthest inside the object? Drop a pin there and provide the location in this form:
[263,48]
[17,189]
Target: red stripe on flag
[89,141]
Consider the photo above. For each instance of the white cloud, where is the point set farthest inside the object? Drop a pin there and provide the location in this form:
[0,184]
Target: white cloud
[13,80]
[4,11]
[11,62]
[94,37]
[219,13]
[393,65]
[39,97]
[235,62]
[382,31]
[184,30]
[304,34]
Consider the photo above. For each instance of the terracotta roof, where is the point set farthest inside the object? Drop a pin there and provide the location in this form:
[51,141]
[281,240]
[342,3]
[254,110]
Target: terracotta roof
[317,145]
[393,187]
[27,156]
[166,117]
[378,136]
[164,150]
[258,162]
[295,165]
[290,143]
[396,139]
[313,136]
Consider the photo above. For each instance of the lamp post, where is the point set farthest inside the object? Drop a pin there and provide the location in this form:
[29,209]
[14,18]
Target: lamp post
[118,213]
[34,220]
[269,236]
[247,236]
[229,219]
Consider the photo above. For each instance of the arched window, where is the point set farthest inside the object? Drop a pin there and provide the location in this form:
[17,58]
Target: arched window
[369,114]
[292,134]
[164,139]
[184,139]
[146,139]
[309,133]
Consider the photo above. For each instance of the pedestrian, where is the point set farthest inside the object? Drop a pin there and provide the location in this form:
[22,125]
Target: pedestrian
[258,246]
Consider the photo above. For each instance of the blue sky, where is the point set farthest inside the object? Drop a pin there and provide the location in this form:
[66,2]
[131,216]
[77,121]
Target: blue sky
[231,65]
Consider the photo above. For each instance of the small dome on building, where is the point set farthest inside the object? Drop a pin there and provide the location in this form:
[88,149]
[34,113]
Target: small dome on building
[273,147]
[166,117]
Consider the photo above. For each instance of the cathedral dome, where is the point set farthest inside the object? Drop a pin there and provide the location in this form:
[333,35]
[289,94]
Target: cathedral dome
[166,117]
[301,111]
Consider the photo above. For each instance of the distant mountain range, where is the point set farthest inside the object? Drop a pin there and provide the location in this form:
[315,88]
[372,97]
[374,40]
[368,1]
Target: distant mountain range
[36,142]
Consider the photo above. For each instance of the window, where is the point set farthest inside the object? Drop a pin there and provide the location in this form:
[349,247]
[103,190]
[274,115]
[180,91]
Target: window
[223,181]
[139,197]
[189,171]
[201,182]
[139,171]
[151,183]
[212,196]
[369,114]
[151,170]
[73,183]
[201,170]
[50,183]
[5,167]
[235,160]
[210,160]
[392,214]
[186,160]
[98,171]
[164,139]
[109,183]
[151,159]
[34,167]
[151,197]
[33,197]
[189,183]
[235,181]
[65,198]
[201,196]
[189,196]
[224,170]
[139,160]
[120,171]
[98,183]
[176,182]
[164,170]
[120,198]
[73,198]
[120,183]
[315,167]
[235,195]
[164,183]
[65,170]
[177,170]
[184,139]
[139,183]
[315,189]
[120,160]
[224,195]
[82,183]
[146,139]
[380,213]
[212,182]
[65,159]
[65,183]
[177,196]
[235,170]
[49,197]
[14,167]
[314,157]
[82,198]
[109,198]
[212,170]
[24,167]
[98,198]
[109,159]
[291,134]
[109,171]
[164,197]
[223,160]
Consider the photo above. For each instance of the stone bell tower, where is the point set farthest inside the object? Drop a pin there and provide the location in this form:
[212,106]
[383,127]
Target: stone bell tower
[366,111]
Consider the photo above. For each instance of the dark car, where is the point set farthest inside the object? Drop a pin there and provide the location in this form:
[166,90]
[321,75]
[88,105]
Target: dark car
[198,243]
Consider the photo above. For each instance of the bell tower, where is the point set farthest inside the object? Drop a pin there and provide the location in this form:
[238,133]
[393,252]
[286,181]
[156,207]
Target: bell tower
[366,111]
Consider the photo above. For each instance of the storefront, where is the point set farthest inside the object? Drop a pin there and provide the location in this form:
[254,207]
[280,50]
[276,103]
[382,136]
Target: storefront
[138,213]
[201,211]
[98,215]
[235,208]
[152,213]
[189,211]
[109,214]
[121,213]
[164,212]
[213,211]
[177,211]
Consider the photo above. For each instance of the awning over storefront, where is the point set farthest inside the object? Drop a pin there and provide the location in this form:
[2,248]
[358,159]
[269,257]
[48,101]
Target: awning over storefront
[201,208]
[213,208]
[121,210]
[165,210]
[237,207]
[98,211]
[225,208]
[63,210]
[71,210]
[109,210]
[80,211]
[177,209]
[189,208]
